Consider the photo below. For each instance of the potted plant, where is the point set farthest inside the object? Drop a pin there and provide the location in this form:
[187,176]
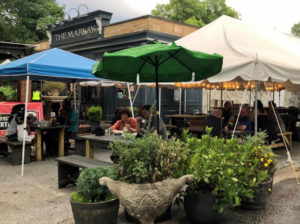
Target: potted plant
[53,88]
[147,168]
[95,115]
[224,176]
[93,203]
[261,165]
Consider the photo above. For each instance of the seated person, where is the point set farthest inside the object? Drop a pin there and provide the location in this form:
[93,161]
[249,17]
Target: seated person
[226,112]
[27,134]
[147,122]
[260,110]
[215,122]
[17,114]
[271,116]
[70,118]
[126,123]
[244,122]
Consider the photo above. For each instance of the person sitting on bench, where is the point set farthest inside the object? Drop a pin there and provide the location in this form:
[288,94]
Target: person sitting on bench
[16,115]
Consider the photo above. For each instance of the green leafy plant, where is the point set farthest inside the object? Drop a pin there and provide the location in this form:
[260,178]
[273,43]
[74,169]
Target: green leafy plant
[88,188]
[53,87]
[149,159]
[95,113]
[230,169]
[9,91]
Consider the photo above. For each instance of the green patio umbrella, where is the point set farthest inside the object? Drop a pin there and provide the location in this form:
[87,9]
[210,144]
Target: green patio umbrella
[158,62]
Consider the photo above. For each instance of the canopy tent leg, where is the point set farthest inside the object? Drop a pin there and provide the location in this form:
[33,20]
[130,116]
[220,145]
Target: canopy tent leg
[255,108]
[136,94]
[74,96]
[130,100]
[221,98]
[25,125]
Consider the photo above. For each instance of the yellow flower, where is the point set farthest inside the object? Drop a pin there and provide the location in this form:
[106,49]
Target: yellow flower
[265,155]
[266,164]
[271,154]
[269,161]
[250,164]
[259,147]
[261,159]
[270,189]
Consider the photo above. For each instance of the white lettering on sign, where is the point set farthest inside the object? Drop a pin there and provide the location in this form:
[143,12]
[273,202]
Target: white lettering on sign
[76,33]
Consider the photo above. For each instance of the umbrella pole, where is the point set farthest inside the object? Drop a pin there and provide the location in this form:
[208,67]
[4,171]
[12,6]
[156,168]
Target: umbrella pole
[159,101]
[180,93]
[25,125]
[157,97]
[184,109]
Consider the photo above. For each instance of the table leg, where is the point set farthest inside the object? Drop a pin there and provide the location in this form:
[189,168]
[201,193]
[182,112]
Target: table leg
[89,152]
[38,145]
[61,143]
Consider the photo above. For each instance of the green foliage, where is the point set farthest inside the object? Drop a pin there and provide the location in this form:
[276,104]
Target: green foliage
[9,90]
[88,188]
[149,159]
[24,20]
[296,29]
[49,85]
[230,169]
[194,12]
[95,113]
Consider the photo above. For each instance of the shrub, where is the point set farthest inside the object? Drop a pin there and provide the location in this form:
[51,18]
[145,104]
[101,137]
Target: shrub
[88,187]
[95,113]
[149,159]
[230,169]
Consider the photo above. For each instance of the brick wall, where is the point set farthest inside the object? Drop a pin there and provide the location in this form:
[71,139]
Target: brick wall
[148,23]
[22,91]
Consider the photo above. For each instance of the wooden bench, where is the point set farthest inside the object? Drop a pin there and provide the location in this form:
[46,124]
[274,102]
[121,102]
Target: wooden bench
[287,137]
[69,168]
[16,150]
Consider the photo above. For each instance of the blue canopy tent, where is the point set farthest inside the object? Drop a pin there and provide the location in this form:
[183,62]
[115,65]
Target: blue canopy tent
[55,65]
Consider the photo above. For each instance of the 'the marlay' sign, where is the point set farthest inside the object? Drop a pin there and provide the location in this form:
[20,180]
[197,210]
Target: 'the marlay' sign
[80,32]
[76,33]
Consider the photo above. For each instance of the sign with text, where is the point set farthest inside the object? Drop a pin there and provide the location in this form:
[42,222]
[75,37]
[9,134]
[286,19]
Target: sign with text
[88,30]
[34,109]
[4,121]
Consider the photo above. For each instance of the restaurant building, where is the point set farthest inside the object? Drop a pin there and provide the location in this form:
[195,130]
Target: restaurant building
[92,34]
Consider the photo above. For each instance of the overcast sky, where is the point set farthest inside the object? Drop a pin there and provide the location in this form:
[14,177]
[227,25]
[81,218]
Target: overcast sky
[275,14]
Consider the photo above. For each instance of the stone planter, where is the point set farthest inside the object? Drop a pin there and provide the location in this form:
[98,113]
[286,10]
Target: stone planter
[105,212]
[146,201]
[199,208]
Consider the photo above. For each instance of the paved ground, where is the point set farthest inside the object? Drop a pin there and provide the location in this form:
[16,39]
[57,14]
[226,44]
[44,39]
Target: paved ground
[35,198]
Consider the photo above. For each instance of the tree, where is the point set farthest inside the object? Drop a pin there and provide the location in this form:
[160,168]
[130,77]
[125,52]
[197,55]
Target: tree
[24,20]
[296,29]
[194,12]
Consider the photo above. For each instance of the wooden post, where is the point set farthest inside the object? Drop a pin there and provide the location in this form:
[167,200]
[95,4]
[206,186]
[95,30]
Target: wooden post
[88,150]
[38,145]
[61,143]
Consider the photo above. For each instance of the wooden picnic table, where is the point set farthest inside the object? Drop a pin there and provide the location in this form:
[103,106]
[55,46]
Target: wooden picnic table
[39,129]
[93,141]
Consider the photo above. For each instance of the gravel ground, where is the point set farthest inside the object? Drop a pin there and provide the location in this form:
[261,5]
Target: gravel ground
[35,198]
